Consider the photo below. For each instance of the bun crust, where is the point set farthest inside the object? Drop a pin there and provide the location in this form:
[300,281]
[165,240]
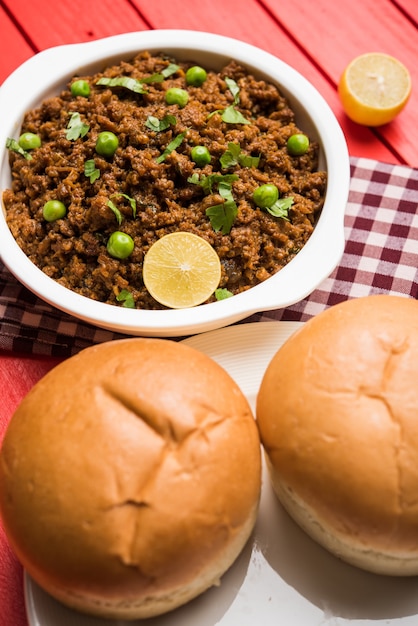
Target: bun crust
[337,413]
[130,477]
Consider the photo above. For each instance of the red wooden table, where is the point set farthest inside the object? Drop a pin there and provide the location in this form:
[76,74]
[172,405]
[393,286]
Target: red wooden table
[317,38]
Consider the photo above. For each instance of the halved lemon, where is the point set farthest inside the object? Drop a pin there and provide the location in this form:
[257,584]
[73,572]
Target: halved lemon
[181,270]
[374,88]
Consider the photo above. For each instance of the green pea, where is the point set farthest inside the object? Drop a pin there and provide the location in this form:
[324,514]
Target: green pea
[196,76]
[106,144]
[266,195]
[54,210]
[175,95]
[200,155]
[29,141]
[120,245]
[298,144]
[80,88]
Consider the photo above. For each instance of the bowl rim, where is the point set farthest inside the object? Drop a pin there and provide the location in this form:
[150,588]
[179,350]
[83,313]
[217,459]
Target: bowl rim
[293,281]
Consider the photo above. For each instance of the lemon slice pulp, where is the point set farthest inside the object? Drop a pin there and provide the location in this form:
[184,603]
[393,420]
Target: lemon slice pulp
[181,270]
[374,88]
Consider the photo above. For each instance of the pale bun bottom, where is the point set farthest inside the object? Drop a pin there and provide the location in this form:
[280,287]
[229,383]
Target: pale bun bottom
[160,603]
[337,416]
[340,545]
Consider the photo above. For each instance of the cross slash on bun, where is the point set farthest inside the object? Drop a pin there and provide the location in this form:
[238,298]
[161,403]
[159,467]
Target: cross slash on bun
[130,477]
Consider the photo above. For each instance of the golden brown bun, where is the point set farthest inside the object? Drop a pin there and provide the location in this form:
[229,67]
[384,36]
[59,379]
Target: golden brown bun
[337,412]
[130,477]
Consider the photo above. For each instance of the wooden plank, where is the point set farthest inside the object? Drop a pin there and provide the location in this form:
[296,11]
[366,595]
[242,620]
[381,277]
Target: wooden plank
[17,375]
[76,21]
[366,26]
[14,48]
[252,23]
[81,22]
[12,607]
[410,9]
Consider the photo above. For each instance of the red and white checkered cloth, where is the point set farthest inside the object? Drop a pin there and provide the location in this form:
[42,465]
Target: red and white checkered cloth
[381,233]
[381,256]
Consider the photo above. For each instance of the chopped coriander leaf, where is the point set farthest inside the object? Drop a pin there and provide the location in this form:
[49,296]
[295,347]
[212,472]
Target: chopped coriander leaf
[171,147]
[231,115]
[76,128]
[12,144]
[218,179]
[132,201]
[214,113]
[115,210]
[248,161]
[154,78]
[158,77]
[170,70]
[91,171]
[225,190]
[123,81]
[208,182]
[126,298]
[233,88]
[153,123]
[194,179]
[222,216]
[281,208]
[230,156]
[222,293]
[136,85]
[233,156]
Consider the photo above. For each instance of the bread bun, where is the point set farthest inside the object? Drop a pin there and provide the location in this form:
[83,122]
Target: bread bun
[130,477]
[337,412]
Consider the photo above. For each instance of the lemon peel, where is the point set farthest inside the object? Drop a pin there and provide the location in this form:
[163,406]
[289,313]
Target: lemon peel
[374,88]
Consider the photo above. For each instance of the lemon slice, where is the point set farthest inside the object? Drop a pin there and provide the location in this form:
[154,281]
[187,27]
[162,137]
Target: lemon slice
[181,270]
[374,88]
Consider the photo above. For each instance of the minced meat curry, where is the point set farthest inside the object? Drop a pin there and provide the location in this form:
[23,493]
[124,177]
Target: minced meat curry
[146,180]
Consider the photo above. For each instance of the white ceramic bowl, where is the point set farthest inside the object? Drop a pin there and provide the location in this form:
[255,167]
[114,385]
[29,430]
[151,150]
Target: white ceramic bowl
[47,72]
